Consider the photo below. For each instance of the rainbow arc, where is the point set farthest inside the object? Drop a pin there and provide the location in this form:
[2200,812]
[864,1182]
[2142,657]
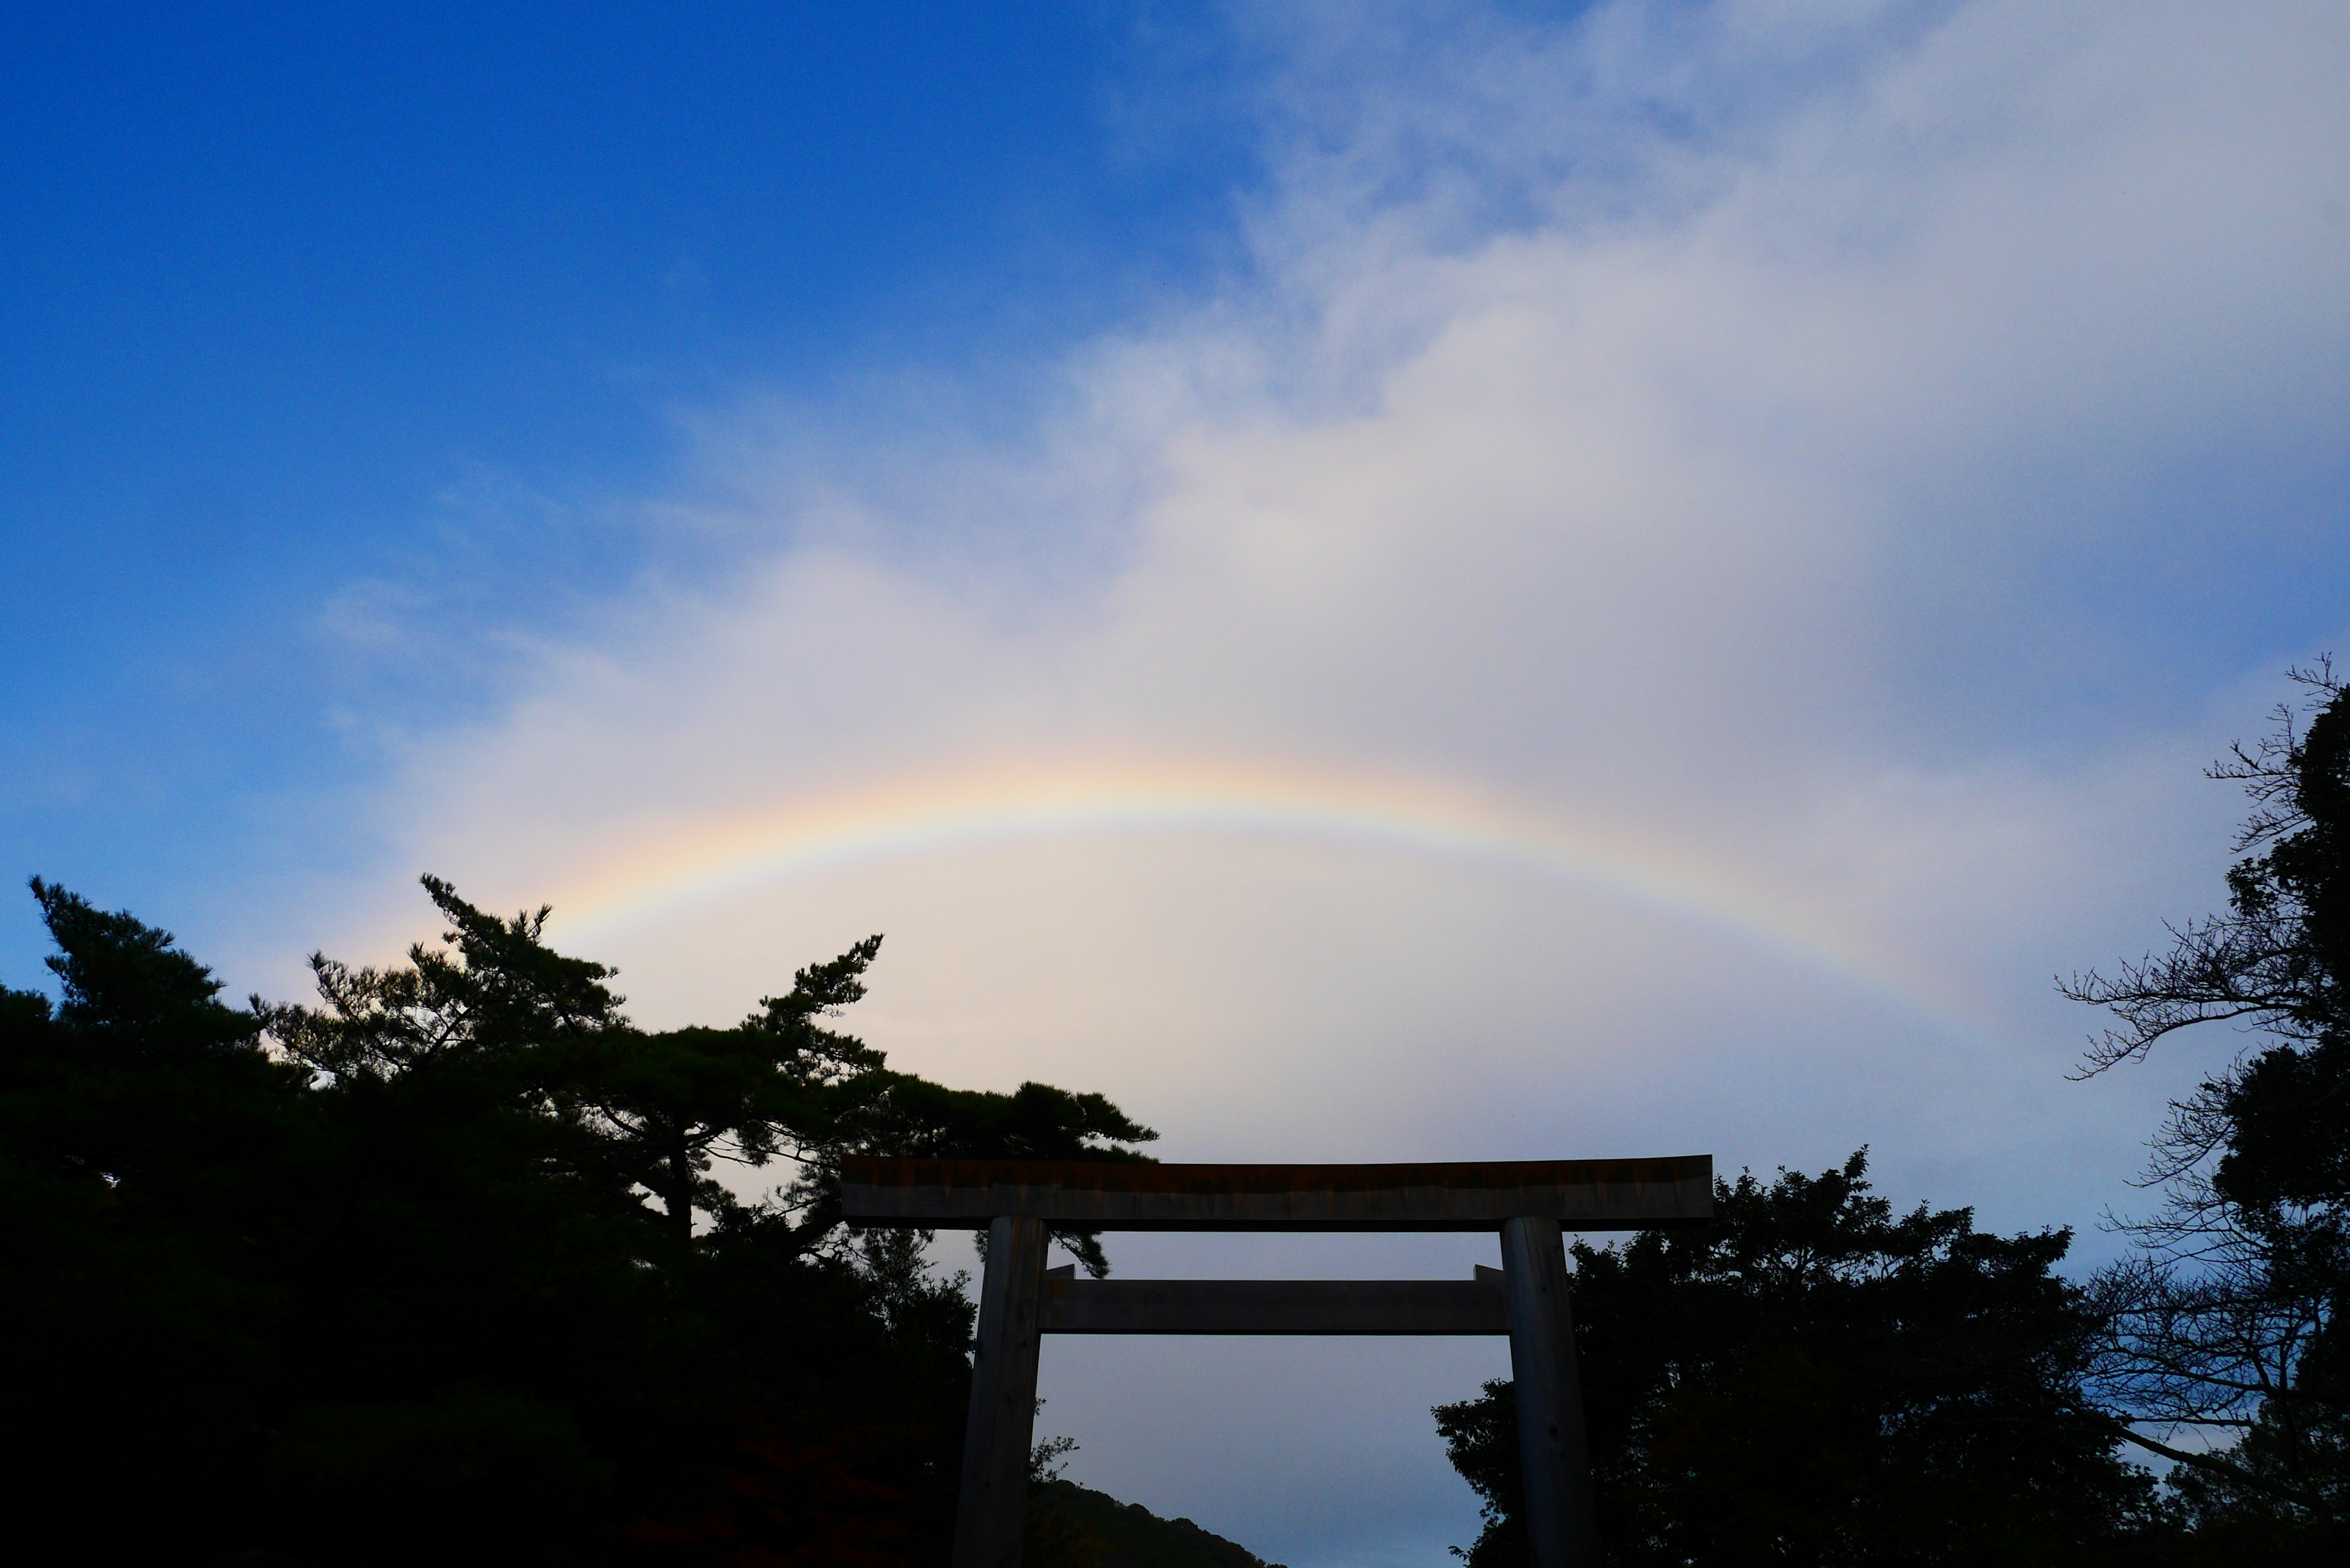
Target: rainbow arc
[910,819]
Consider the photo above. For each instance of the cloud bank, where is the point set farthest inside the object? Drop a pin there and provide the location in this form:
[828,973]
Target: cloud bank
[1831,472]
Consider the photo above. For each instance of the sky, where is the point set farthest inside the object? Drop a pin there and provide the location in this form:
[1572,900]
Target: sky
[1374,580]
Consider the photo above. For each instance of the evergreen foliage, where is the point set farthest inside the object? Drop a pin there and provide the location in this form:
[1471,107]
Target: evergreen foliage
[2227,1318]
[440,1270]
[1071,1526]
[1816,1379]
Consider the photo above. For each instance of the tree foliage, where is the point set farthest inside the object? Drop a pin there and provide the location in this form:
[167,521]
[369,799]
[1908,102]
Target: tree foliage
[2227,1319]
[441,1267]
[1815,1378]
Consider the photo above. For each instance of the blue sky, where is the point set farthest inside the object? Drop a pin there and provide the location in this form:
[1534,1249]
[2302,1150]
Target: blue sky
[1376,581]
[293,300]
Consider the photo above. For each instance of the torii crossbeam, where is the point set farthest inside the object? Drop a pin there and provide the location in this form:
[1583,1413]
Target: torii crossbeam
[1532,1204]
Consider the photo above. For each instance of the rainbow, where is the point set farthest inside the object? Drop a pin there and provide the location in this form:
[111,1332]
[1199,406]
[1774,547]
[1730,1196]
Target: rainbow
[681,865]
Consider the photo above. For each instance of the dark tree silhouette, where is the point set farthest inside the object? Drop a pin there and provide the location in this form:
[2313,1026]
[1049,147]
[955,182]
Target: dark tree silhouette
[439,1269]
[1817,1379]
[2228,1315]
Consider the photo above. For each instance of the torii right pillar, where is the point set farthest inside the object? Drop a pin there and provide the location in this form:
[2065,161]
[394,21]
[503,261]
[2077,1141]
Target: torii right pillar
[1561,1532]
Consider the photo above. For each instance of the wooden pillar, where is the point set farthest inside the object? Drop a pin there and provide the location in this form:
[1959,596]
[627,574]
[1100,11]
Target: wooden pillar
[1560,1532]
[993,1515]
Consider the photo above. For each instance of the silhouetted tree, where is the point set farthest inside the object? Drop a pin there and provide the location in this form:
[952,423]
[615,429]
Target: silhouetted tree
[1815,1378]
[155,1173]
[2228,1315]
[439,1269]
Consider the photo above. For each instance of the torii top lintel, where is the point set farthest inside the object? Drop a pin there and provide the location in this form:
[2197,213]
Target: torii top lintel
[1474,1195]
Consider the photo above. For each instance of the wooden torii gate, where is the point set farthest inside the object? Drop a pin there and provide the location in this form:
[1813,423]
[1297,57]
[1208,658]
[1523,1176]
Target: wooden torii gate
[1532,1203]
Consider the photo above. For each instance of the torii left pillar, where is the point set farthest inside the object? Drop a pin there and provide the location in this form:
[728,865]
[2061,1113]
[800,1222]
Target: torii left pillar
[993,1516]
[1553,1450]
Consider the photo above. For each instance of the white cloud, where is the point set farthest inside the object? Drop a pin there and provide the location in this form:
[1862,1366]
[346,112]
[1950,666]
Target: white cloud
[1774,433]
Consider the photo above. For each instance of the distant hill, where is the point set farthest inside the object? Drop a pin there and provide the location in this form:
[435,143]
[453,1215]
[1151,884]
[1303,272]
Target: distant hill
[1070,1526]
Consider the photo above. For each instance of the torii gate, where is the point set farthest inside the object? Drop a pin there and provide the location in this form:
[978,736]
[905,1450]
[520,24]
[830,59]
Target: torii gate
[1532,1203]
